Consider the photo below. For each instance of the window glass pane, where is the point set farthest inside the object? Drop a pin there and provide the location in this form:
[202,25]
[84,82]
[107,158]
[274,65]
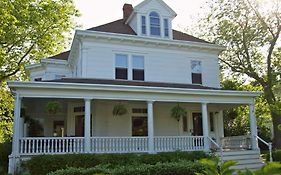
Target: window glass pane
[138,62]
[139,110]
[196,67]
[184,123]
[121,73]
[196,78]
[212,125]
[139,126]
[138,74]
[143,21]
[121,61]
[154,24]
[166,27]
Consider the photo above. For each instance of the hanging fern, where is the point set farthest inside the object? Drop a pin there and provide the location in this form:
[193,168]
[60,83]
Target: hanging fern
[119,109]
[177,112]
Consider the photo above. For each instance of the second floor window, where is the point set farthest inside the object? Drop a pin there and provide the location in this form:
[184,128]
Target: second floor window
[138,68]
[196,72]
[154,24]
[121,66]
[143,25]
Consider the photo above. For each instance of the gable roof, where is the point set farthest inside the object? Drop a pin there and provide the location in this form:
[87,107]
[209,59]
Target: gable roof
[119,26]
[136,8]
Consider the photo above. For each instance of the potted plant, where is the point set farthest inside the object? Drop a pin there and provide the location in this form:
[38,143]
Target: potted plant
[53,107]
[119,109]
[177,112]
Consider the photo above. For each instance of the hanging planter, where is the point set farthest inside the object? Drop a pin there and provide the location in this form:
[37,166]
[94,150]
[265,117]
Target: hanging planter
[177,112]
[53,107]
[119,109]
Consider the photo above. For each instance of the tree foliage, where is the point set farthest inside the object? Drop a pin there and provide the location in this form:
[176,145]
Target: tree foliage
[6,115]
[31,30]
[236,120]
[250,30]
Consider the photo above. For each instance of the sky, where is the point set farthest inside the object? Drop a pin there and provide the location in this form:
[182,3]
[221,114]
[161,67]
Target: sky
[98,12]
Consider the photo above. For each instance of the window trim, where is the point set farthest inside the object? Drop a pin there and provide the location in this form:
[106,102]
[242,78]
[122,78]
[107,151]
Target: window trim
[193,72]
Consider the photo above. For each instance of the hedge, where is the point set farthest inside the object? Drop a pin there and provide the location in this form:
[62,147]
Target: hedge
[41,165]
[276,155]
[167,168]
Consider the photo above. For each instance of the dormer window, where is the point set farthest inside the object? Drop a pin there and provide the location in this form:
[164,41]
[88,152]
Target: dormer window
[143,25]
[154,24]
[166,27]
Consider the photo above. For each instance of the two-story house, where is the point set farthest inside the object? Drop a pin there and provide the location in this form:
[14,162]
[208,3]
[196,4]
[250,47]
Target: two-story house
[138,65]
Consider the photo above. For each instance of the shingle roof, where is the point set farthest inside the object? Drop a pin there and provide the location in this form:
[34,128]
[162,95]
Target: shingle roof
[120,27]
[129,83]
[61,56]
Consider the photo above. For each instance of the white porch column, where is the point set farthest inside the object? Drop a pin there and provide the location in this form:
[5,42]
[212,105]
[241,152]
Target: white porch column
[150,126]
[253,126]
[16,135]
[205,126]
[220,125]
[87,126]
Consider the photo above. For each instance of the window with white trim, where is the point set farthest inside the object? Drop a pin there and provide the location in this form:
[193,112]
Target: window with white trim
[143,25]
[138,67]
[154,24]
[196,72]
[121,66]
[166,27]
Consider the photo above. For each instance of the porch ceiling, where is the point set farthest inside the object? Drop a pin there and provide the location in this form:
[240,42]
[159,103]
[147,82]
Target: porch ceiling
[130,92]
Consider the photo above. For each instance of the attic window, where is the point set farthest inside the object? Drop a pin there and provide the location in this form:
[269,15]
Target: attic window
[166,27]
[143,25]
[154,24]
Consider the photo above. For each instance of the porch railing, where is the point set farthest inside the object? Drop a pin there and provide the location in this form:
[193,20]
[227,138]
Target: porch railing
[119,144]
[62,145]
[236,142]
[183,143]
[51,145]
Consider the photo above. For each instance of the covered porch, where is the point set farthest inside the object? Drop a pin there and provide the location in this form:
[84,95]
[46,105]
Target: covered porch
[86,124]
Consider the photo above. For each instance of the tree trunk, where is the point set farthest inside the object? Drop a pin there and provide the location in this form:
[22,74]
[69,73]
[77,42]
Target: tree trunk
[276,120]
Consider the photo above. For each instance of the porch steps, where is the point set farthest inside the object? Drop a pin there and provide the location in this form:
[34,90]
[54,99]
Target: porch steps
[246,159]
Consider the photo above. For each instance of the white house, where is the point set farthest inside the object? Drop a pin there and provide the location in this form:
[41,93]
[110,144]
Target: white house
[144,65]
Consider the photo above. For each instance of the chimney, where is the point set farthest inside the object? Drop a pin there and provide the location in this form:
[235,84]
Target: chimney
[127,10]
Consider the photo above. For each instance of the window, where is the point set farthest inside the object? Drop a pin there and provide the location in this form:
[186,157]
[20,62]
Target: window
[154,24]
[143,25]
[138,68]
[196,71]
[212,125]
[166,27]
[121,67]
[139,122]
[139,110]
[184,123]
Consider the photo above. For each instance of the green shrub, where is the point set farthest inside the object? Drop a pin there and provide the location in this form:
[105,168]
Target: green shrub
[41,165]
[5,151]
[276,155]
[168,168]
[80,171]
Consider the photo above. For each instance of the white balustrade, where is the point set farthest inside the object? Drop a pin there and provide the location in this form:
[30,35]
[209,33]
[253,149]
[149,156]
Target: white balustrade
[51,145]
[181,143]
[119,144]
[62,145]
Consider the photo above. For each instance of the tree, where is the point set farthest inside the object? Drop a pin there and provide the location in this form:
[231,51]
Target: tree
[236,120]
[251,33]
[31,30]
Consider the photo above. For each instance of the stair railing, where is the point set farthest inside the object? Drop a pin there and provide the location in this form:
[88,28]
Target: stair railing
[218,146]
[269,145]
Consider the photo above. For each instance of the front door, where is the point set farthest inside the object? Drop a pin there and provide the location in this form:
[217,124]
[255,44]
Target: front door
[79,126]
[197,124]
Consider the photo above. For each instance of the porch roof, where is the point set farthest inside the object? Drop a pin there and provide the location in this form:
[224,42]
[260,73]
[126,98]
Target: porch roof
[128,90]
